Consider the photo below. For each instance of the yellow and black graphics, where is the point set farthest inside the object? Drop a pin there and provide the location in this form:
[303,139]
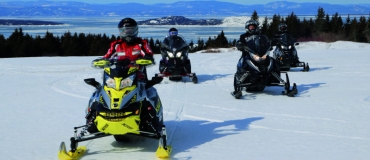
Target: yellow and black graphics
[122,113]
[122,104]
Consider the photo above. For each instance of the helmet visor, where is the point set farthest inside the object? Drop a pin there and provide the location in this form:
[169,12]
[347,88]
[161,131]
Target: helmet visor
[173,33]
[128,31]
[283,28]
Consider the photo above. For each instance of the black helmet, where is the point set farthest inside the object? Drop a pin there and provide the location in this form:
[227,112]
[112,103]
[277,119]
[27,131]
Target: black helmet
[254,23]
[283,27]
[128,29]
[173,32]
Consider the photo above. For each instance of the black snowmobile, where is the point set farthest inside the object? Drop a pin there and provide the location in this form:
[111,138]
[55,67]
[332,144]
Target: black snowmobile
[258,70]
[285,53]
[124,105]
[175,63]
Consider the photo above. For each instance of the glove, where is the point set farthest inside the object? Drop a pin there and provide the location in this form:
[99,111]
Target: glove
[242,47]
[157,79]
[149,57]
[100,63]
[153,81]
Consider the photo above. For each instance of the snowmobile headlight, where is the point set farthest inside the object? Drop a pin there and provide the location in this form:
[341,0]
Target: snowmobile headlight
[111,83]
[170,54]
[178,54]
[290,47]
[283,47]
[127,82]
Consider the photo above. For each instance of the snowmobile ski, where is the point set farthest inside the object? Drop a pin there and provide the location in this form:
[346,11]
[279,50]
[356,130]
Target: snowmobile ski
[236,95]
[163,152]
[64,155]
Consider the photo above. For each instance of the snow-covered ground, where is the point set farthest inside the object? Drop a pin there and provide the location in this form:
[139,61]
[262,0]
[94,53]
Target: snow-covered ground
[43,98]
[239,21]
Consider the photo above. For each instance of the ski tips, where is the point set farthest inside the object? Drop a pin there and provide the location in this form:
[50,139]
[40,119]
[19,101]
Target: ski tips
[64,155]
[163,153]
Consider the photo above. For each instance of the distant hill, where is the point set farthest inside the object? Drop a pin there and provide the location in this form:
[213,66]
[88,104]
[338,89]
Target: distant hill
[188,8]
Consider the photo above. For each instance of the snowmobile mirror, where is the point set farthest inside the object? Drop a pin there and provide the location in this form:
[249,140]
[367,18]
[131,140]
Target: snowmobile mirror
[92,82]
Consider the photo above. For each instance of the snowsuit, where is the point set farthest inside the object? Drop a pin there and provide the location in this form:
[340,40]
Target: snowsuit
[138,48]
[242,45]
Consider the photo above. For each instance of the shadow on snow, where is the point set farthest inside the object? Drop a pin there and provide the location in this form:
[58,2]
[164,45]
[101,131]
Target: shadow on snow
[182,136]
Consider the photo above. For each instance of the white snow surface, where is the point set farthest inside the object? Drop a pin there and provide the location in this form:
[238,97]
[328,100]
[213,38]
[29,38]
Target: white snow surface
[239,21]
[43,98]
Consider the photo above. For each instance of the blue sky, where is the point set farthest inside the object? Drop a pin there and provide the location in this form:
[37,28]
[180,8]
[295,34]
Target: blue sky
[232,1]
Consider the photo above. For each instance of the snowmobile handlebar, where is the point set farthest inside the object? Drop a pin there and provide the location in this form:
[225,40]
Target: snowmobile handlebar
[103,63]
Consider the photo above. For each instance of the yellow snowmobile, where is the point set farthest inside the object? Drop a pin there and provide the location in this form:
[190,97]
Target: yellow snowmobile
[124,105]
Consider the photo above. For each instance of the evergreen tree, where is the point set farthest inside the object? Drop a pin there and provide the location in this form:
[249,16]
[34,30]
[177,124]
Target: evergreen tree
[255,16]
[37,49]
[201,45]
[361,28]
[347,26]
[336,23]
[28,49]
[209,43]
[265,26]
[221,40]
[320,20]
[273,28]
[305,29]
[294,24]
[50,45]
[367,30]
[14,43]
[353,34]
[2,46]
[326,25]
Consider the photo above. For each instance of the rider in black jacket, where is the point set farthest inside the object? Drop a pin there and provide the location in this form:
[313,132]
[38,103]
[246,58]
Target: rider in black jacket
[283,28]
[246,45]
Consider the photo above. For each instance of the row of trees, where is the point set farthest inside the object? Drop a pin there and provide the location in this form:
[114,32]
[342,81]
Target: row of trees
[322,28]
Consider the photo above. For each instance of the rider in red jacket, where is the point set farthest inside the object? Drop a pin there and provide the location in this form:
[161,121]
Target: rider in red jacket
[130,46]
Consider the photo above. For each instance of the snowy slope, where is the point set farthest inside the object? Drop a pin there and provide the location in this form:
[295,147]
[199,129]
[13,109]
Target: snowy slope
[42,99]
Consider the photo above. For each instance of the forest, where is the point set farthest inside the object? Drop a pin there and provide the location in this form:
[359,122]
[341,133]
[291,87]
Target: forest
[323,27]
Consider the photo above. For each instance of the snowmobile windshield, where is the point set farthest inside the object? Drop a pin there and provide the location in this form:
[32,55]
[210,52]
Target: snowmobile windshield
[176,43]
[259,44]
[120,68]
[123,73]
[287,39]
